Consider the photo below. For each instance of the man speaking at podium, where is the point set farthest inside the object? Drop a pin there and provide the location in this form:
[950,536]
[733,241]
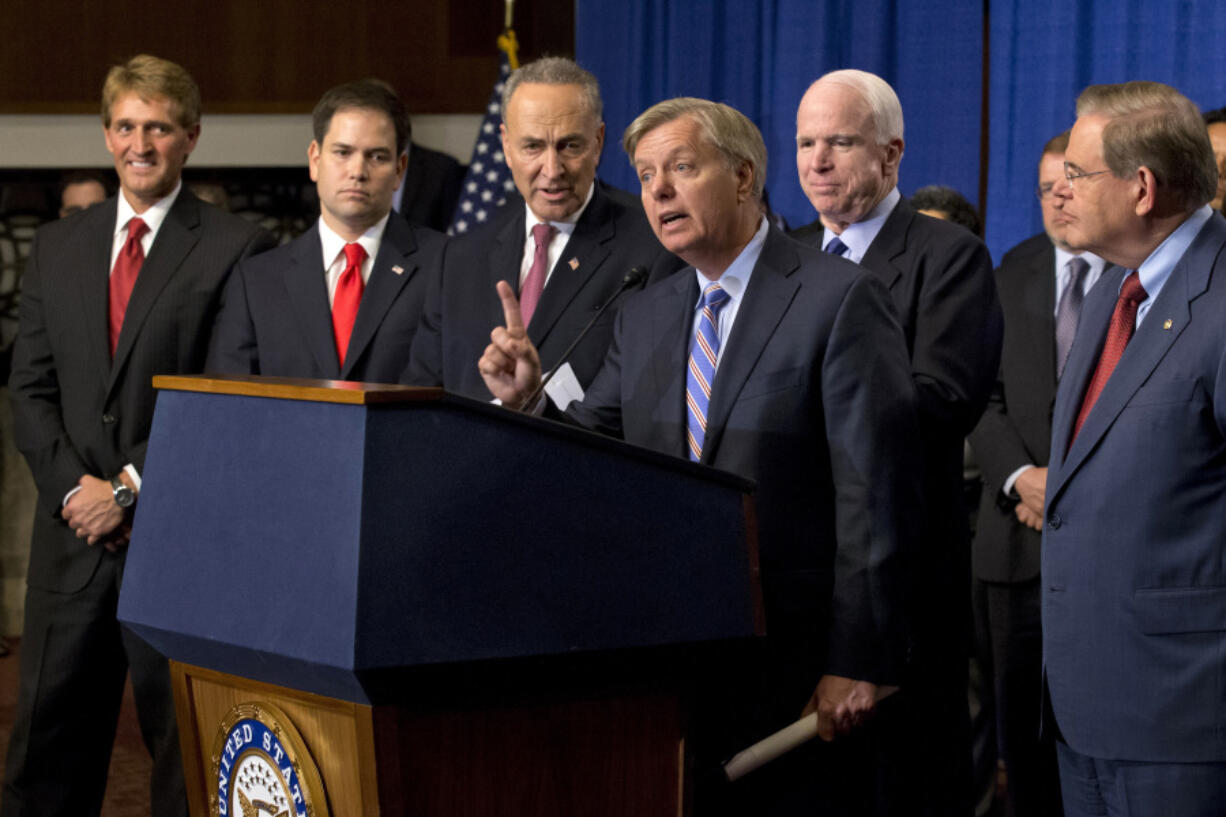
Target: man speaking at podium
[785,365]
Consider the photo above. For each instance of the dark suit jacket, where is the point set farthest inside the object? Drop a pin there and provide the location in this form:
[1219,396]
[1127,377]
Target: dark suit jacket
[831,448]
[75,410]
[275,317]
[1016,427]
[940,279]
[1134,549]
[611,237]
[432,185]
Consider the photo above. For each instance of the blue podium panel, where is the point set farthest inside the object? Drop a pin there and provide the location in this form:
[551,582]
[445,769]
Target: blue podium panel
[314,544]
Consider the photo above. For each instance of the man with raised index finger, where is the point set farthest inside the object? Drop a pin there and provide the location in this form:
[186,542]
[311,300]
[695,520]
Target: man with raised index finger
[754,360]
[564,245]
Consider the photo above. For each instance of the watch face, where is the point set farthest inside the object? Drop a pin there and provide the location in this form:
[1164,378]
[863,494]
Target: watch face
[124,496]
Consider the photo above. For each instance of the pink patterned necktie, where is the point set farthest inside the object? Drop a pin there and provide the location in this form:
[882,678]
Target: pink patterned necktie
[534,284]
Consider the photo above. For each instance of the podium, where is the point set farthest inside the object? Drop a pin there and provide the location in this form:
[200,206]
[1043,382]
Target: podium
[383,600]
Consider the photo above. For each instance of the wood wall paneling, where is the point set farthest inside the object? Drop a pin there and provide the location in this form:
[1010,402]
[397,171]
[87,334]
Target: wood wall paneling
[271,56]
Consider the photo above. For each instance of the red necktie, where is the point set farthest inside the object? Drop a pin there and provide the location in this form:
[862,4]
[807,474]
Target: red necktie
[347,298]
[534,284]
[123,278]
[1123,324]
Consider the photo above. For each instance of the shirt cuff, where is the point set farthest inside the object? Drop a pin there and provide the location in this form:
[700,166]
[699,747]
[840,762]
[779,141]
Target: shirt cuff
[1007,488]
[134,474]
[68,496]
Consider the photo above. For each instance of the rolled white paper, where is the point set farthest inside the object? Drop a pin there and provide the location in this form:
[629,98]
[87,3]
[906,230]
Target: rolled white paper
[782,742]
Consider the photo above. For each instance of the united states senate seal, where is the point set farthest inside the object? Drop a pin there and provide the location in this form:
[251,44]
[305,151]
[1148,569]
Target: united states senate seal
[261,767]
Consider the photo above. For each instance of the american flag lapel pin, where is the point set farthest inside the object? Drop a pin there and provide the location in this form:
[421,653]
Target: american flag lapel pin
[574,263]
[399,270]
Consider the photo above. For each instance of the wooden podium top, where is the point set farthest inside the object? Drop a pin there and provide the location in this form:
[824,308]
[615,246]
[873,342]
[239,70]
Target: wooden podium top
[298,388]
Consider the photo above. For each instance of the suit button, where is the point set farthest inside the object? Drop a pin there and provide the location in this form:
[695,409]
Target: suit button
[108,419]
[1054,521]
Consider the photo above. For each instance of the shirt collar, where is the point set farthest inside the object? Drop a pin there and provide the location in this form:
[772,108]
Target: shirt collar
[153,216]
[1063,256]
[1156,269]
[736,277]
[566,225]
[860,235]
[333,245]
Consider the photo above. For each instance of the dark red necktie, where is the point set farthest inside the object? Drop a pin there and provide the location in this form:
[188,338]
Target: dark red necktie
[123,278]
[1123,324]
[346,299]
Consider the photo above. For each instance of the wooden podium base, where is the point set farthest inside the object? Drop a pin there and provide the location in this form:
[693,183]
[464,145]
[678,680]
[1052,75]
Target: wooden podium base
[620,754]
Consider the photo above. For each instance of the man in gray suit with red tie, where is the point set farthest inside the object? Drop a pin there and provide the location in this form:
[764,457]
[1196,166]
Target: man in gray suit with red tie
[112,296]
[1134,541]
[1042,282]
[341,301]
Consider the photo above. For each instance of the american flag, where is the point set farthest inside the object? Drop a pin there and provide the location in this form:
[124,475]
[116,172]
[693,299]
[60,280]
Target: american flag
[488,180]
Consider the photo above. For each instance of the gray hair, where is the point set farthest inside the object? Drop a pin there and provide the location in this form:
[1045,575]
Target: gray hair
[1155,126]
[878,95]
[727,129]
[555,71]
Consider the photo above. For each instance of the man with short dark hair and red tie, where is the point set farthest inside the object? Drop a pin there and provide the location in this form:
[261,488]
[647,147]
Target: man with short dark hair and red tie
[112,296]
[1134,539]
[341,301]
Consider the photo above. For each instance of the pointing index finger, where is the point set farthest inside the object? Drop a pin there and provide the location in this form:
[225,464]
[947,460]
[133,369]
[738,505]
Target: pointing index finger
[510,309]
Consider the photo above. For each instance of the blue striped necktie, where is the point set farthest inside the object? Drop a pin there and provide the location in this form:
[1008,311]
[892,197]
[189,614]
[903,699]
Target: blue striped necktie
[704,351]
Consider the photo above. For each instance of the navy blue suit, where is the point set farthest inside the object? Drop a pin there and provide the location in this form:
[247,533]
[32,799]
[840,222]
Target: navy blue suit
[275,317]
[1134,547]
[813,400]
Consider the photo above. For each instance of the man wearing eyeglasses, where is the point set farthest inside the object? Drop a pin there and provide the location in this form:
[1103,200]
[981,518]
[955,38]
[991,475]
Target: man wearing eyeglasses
[1134,540]
[1042,284]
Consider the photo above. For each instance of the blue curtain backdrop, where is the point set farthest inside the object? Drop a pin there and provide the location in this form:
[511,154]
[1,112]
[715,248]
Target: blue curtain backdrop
[1044,53]
[760,56]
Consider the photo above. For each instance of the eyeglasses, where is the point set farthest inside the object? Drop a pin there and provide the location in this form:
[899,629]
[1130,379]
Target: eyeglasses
[1073,174]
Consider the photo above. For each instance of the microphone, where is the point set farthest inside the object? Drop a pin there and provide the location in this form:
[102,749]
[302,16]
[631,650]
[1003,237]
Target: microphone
[634,277]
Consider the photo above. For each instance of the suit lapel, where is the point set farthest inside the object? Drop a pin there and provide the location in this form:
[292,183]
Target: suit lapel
[175,239]
[505,261]
[392,269]
[1040,321]
[672,314]
[94,285]
[889,243]
[582,256]
[766,299]
[307,288]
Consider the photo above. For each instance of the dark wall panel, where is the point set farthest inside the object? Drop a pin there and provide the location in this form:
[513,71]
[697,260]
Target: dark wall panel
[270,56]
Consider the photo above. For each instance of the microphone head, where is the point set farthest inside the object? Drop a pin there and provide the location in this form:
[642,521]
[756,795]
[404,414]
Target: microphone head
[635,276]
